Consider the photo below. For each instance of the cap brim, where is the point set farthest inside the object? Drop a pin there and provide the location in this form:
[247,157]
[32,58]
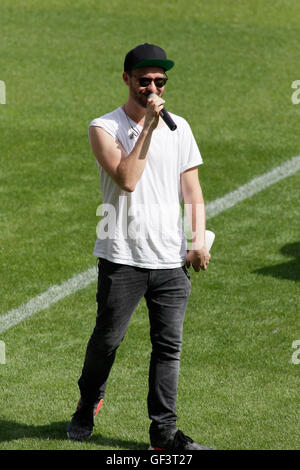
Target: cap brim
[161,63]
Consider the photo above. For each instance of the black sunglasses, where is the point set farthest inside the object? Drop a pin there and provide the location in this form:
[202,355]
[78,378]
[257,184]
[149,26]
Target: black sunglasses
[159,82]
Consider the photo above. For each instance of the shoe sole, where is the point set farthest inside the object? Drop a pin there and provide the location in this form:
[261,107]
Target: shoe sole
[155,448]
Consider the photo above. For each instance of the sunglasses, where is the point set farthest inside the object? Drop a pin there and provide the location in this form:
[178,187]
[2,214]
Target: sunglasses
[159,82]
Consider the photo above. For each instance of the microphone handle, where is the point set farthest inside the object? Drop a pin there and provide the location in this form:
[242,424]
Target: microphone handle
[168,120]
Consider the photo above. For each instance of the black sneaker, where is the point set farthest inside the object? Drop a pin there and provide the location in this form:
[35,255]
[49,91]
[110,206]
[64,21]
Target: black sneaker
[80,427]
[178,442]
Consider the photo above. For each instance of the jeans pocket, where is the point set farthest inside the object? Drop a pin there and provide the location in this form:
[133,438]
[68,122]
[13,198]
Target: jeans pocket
[186,272]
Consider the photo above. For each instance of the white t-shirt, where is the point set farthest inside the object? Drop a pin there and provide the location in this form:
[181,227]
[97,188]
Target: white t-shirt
[144,228]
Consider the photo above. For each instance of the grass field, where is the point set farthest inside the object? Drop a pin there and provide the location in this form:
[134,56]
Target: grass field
[61,62]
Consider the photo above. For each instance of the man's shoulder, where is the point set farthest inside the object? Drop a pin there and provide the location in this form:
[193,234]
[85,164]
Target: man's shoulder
[111,122]
[111,117]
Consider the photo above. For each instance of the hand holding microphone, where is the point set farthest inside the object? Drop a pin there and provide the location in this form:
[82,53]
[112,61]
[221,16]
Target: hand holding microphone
[166,116]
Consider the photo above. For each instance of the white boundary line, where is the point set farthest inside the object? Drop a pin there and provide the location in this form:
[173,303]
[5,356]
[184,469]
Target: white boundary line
[254,186]
[82,280]
[47,298]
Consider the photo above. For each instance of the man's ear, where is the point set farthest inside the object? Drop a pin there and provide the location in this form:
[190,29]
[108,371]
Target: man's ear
[126,78]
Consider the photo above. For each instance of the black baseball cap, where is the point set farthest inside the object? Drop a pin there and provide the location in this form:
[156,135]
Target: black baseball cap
[147,55]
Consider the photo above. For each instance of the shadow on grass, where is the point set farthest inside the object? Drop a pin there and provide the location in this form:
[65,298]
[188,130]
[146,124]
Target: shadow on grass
[11,430]
[289,270]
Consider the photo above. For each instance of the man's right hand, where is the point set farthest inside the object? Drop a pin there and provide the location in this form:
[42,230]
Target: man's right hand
[154,106]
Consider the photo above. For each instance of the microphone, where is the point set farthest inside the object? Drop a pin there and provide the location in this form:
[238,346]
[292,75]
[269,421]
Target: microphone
[166,116]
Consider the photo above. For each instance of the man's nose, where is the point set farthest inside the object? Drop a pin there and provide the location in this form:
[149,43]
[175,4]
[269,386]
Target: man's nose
[152,87]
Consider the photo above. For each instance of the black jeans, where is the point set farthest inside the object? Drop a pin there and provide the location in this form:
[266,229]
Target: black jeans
[120,289]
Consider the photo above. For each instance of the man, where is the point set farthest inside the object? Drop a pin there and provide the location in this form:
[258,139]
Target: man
[145,169]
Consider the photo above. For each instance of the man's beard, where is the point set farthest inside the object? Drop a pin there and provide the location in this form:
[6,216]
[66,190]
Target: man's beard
[140,99]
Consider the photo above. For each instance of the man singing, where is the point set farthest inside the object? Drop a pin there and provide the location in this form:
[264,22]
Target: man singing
[144,165]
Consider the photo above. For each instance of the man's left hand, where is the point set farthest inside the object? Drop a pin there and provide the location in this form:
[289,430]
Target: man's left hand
[199,259]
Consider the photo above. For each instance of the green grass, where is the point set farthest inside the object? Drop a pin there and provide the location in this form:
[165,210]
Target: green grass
[235,63]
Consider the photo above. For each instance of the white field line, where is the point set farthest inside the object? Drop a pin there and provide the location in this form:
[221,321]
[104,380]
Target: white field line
[254,186]
[47,298]
[82,280]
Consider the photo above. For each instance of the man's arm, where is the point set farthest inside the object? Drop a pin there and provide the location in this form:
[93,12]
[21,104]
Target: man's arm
[198,256]
[124,169]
